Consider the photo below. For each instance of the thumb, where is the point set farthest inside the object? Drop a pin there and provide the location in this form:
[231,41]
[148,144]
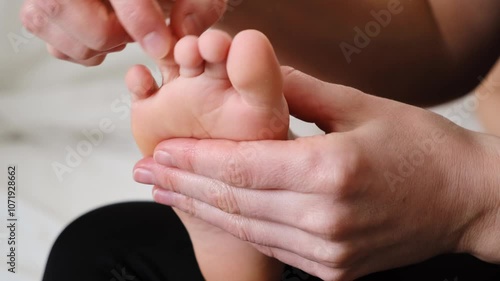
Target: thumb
[332,107]
[193,17]
[145,21]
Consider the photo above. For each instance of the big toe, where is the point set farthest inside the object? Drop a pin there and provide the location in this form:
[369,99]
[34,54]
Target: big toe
[254,70]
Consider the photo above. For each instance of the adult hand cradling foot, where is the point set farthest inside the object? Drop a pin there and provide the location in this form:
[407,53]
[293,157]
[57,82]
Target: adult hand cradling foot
[388,185]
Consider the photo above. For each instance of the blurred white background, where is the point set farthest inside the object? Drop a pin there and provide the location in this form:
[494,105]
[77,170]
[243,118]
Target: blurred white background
[45,107]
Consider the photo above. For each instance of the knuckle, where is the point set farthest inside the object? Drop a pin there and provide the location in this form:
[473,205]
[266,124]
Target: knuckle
[336,255]
[99,40]
[167,180]
[51,7]
[334,275]
[235,173]
[223,198]
[335,228]
[84,54]
[33,20]
[326,224]
[103,31]
[345,171]
[187,205]
[238,228]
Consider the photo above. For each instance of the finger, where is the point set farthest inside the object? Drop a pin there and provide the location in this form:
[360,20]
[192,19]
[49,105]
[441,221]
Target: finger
[246,229]
[140,82]
[145,22]
[304,165]
[72,48]
[193,17]
[332,107]
[168,67]
[97,60]
[279,206]
[91,23]
[308,266]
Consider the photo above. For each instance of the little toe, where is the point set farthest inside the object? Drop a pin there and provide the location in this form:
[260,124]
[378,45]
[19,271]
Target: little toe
[187,55]
[214,47]
[140,82]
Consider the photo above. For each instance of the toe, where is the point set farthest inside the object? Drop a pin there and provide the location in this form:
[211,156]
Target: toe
[254,70]
[140,82]
[187,55]
[214,48]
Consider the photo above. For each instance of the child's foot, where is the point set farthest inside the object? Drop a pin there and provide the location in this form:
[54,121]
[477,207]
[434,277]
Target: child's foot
[217,89]
[220,89]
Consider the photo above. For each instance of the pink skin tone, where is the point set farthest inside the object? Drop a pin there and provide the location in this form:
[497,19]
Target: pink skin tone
[222,88]
[342,206]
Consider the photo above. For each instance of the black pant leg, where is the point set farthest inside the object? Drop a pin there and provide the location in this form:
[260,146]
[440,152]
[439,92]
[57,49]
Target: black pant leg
[140,241]
[450,267]
[144,241]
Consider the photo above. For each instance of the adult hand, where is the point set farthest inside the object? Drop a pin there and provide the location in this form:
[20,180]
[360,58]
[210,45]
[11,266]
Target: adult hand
[388,185]
[84,31]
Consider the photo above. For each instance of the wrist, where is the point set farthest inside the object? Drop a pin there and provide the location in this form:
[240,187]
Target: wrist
[480,238]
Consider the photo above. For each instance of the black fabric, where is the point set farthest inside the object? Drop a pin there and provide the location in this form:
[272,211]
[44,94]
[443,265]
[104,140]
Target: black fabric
[144,241]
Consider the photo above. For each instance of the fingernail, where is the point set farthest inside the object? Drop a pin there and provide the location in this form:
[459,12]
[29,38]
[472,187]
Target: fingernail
[155,45]
[163,196]
[143,176]
[191,26]
[163,158]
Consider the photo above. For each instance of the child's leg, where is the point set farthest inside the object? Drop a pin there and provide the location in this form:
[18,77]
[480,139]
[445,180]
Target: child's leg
[488,95]
[226,90]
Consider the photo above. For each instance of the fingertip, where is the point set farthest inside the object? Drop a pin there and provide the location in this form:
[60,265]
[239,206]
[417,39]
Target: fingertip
[162,196]
[144,21]
[158,43]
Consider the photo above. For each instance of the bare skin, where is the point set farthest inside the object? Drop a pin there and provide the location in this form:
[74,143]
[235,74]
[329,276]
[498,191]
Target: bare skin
[423,56]
[489,101]
[223,90]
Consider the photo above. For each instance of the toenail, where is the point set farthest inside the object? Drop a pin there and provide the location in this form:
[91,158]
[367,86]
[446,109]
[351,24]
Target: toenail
[163,158]
[143,176]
